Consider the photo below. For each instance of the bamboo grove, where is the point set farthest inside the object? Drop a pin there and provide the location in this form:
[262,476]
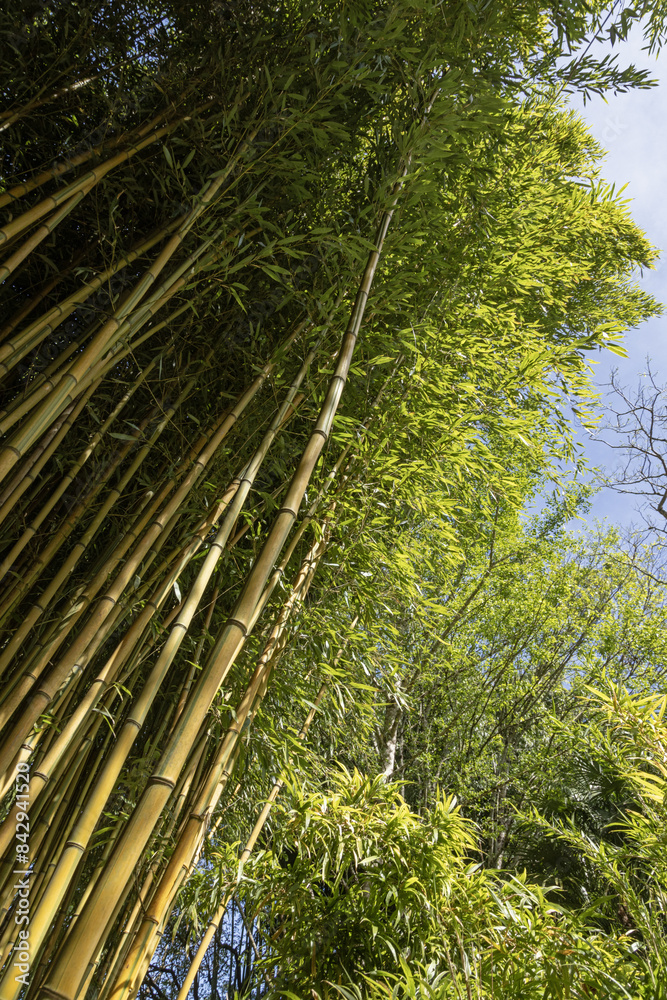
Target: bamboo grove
[273,277]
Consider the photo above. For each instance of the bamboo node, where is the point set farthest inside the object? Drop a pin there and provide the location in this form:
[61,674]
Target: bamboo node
[157,779]
[75,845]
[240,625]
[288,510]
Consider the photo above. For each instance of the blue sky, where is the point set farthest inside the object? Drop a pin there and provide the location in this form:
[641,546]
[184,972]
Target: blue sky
[633,128]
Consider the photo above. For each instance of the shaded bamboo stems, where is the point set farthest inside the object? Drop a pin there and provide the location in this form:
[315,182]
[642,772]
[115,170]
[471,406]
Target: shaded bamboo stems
[81,545]
[43,826]
[31,573]
[40,234]
[86,182]
[96,358]
[76,467]
[57,931]
[119,954]
[52,849]
[39,296]
[61,780]
[222,424]
[9,117]
[33,335]
[12,351]
[128,647]
[25,187]
[27,474]
[128,318]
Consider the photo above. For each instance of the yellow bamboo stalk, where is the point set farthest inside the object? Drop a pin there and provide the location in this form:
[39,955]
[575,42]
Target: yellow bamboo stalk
[191,839]
[216,920]
[74,957]
[187,684]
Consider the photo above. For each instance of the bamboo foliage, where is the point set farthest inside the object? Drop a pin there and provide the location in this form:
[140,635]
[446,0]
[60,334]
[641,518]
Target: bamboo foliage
[196,405]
